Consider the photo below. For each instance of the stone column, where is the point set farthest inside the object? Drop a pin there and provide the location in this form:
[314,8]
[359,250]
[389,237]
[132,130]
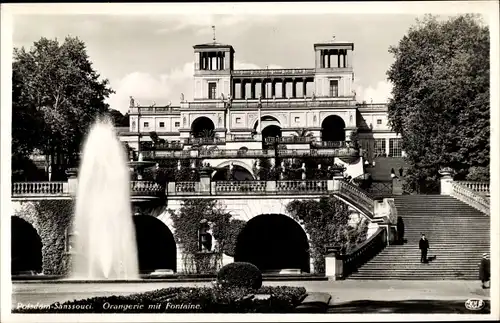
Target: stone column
[334,264]
[72,180]
[259,128]
[318,59]
[205,180]
[226,60]
[283,88]
[243,84]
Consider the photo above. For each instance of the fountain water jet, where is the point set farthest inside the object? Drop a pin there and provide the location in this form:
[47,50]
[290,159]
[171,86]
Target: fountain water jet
[105,243]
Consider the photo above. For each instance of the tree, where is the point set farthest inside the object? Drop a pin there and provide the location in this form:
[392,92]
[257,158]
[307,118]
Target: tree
[56,96]
[119,120]
[440,101]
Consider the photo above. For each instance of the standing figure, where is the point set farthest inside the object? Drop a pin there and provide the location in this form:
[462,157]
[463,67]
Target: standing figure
[400,226]
[49,171]
[393,174]
[484,270]
[423,245]
[303,171]
[400,171]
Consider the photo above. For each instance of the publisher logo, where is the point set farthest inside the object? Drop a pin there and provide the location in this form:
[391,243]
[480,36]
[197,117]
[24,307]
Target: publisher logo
[474,304]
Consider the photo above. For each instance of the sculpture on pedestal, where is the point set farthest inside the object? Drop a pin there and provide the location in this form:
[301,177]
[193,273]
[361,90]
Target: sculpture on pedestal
[205,237]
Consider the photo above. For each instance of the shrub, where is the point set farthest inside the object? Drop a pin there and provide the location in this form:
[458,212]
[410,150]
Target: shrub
[184,300]
[240,274]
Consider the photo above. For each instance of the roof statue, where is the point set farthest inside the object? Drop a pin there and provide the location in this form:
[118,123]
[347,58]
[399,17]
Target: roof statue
[182,97]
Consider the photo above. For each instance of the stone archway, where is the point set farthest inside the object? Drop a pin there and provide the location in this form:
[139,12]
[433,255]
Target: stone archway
[333,129]
[244,171]
[202,127]
[273,242]
[26,247]
[156,245]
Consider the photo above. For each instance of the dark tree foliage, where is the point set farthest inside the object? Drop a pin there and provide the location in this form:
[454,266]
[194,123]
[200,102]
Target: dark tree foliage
[440,101]
[56,95]
[119,120]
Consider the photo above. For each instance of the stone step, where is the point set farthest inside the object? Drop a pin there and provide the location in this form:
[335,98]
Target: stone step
[458,236]
[413,277]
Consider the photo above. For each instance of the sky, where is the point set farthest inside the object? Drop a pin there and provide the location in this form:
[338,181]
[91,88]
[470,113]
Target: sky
[150,57]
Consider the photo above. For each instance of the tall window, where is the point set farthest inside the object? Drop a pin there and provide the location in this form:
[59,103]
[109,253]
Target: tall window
[334,88]
[379,147]
[395,145]
[212,90]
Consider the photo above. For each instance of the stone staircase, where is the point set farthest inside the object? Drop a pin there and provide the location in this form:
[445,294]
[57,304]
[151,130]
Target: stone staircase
[458,235]
[383,165]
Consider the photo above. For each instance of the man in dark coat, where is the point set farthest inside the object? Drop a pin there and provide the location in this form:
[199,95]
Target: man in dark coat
[423,245]
[400,226]
[484,270]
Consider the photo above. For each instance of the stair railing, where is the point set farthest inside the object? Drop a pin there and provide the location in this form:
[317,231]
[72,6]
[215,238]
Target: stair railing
[364,252]
[481,187]
[357,196]
[471,197]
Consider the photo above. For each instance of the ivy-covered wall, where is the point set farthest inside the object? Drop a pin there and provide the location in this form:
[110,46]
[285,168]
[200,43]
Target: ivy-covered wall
[50,218]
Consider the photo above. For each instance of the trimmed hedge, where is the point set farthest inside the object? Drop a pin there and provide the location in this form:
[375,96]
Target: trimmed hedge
[283,299]
[240,274]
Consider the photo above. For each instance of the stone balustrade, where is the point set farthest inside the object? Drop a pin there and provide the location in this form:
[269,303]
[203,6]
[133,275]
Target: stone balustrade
[274,72]
[235,187]
[186,187]
[363,253]
[330,144]
[146,188]
[307,186]
[290,140]
[355,194]
[253,153]
[470,196]
[40,188]
[483,187]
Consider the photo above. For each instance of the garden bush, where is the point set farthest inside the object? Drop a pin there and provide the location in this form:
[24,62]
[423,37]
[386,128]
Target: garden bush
[185,300]
[240,274]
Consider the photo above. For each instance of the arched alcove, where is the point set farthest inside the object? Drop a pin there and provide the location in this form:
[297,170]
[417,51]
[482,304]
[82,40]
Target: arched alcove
[26,247]
[273,242]
[239,174]
[333,129]
[202,126]
[155,244]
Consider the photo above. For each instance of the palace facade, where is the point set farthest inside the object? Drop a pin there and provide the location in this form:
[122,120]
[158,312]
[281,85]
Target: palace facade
[245,110]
